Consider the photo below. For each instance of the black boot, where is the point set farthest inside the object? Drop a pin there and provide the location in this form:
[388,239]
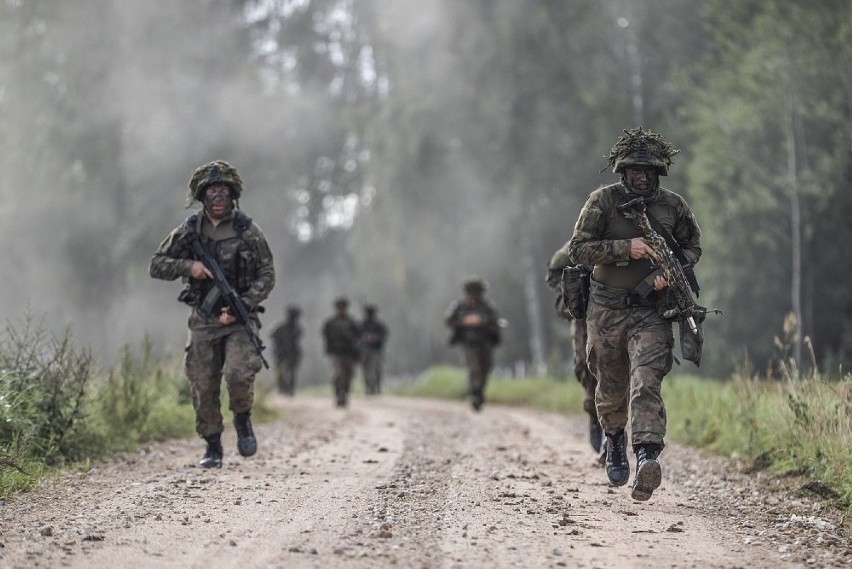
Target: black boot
[246,443]
[617,467]
[477,399]
[595,433]
[602,453]
[649,475]
[341,398]
[213,455]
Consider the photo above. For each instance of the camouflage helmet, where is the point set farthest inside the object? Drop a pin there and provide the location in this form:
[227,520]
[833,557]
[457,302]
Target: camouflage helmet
[473,284]
[216,172]
[293,310]
[641,148]
[341,301]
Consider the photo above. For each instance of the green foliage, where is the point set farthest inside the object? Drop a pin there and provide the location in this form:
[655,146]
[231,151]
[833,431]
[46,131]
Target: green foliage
[142,403]
[57,408]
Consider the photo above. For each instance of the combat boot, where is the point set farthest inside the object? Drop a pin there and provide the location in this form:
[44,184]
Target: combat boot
[595,433]
[213,455]
[617,467]
[246,443]
[477,399]
[649,475]
[341,398]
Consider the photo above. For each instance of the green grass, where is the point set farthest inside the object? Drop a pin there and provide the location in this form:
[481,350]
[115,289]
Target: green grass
[58,409]
[792,426]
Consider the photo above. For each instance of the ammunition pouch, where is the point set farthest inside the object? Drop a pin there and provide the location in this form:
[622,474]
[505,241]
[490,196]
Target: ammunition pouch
[573,299]
[691,344]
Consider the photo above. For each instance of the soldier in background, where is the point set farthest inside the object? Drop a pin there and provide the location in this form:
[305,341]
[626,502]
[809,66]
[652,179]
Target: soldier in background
[476,327]
[341,334]
[587,380]
[287,349]
[219,345]
[630,341]
[374,334]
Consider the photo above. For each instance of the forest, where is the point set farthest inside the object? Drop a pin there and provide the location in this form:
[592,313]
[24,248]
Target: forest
[390,149]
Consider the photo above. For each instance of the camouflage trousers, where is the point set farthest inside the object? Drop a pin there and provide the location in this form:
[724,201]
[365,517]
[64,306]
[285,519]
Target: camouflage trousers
[342,370]
[479,360]
[581,368]
[630,351]
[214,353]
[285,375]
[371,360]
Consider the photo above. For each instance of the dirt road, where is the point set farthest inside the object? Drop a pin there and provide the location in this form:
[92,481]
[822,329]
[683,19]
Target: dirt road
[410,483]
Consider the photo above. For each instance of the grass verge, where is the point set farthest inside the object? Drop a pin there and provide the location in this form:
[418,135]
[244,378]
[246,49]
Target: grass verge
[58,409]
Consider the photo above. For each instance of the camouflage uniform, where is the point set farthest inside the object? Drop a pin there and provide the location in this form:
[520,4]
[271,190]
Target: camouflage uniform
[341,334]
[630,344]
[286,346]
[579,337]
[479,340]
[215,350]
[374,333]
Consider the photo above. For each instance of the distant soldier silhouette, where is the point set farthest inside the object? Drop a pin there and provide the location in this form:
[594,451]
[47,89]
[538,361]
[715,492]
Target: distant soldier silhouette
[287,349]
[341,334]
[374,334]
[475,326]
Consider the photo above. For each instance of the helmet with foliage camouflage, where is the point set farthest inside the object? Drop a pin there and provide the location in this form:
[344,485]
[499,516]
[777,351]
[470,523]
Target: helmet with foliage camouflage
[216,172]
[473,284]
[641,148]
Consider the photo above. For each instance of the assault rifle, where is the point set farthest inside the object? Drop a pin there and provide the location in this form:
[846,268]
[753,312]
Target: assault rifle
[232,299]
[685,305]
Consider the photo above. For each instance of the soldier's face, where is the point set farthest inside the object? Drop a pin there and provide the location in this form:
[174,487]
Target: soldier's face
[218,201]
[641,178]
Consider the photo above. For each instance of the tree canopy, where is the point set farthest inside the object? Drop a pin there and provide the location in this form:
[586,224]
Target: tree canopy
[391,148]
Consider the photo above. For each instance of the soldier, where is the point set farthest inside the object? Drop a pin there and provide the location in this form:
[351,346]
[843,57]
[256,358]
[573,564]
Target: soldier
[286,344]
[341,335]
[219,345]
[374,333]
[630,343]
[579,336]
[476,326]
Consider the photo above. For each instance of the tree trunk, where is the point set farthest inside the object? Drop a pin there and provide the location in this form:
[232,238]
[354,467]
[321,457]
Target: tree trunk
[533,303]
[796,231]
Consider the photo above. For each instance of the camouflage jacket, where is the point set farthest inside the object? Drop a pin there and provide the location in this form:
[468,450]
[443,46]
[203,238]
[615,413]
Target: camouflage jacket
[602,235]
[238,246]
[373,334]
[286,341]
[341,335]
[486,333]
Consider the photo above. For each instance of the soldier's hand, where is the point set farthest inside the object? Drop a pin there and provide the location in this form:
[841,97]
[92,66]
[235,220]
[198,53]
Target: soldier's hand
[471,320]
[226,318]
[639,249]
[660,282]
[199,271]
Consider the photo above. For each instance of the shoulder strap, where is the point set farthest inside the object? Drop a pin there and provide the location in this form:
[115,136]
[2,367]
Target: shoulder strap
[241,222]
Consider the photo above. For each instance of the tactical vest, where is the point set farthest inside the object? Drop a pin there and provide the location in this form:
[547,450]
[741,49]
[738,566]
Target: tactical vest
[235,257]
